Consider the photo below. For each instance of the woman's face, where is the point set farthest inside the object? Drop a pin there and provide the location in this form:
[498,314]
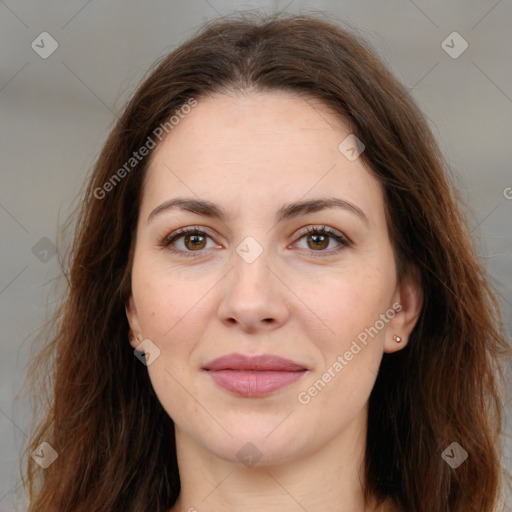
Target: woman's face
[257,172]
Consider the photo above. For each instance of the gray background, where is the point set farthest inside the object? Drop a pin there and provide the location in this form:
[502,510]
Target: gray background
[56,112]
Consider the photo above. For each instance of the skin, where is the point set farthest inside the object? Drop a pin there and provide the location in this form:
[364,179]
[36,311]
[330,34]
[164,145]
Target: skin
[251,153]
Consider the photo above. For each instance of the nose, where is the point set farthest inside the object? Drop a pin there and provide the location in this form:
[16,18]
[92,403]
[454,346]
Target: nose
[254,297]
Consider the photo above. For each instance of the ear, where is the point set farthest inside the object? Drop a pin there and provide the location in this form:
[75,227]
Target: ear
[134,334]
[407,302]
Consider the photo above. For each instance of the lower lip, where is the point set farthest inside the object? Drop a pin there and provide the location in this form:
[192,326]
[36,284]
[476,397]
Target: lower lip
[254,383]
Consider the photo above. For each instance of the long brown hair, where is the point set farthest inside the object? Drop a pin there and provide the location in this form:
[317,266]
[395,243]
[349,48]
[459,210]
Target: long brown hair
[115,442]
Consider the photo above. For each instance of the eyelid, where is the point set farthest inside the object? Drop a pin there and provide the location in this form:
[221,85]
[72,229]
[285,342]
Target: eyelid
[178,233]
[323,228]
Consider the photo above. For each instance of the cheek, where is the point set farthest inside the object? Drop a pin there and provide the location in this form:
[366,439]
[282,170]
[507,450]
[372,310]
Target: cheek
[172,315]
[166,302]
[345,304]
[351,348]
[349,355]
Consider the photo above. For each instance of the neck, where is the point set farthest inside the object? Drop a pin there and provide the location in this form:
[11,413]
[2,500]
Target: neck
[331,478]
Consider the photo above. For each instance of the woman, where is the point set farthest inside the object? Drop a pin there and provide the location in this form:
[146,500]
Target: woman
[274,302]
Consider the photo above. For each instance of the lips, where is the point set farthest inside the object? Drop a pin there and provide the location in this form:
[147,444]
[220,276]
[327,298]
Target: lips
[253,376]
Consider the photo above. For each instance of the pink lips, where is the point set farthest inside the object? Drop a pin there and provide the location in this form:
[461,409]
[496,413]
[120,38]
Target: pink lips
[253,376]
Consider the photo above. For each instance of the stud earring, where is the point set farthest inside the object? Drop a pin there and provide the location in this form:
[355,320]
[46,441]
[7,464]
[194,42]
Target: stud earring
[397,338]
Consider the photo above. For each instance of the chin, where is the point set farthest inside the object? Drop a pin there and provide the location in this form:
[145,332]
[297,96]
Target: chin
[253,451]
[261,441]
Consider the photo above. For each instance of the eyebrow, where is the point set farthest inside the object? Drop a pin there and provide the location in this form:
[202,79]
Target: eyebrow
[288,211]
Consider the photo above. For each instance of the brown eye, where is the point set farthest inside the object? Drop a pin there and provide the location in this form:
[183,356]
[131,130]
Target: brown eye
[317,241]
[188,242]
[194,241]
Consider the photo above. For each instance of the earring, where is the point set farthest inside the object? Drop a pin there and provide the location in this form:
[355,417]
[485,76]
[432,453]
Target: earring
[397,338]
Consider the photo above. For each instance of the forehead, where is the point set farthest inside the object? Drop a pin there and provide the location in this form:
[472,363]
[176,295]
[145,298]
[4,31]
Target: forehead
[257,146]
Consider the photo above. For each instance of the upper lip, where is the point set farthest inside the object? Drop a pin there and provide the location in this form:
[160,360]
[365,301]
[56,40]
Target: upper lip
[267,362]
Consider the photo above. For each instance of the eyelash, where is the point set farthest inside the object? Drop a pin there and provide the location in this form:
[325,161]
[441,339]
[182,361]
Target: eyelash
[324,230]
